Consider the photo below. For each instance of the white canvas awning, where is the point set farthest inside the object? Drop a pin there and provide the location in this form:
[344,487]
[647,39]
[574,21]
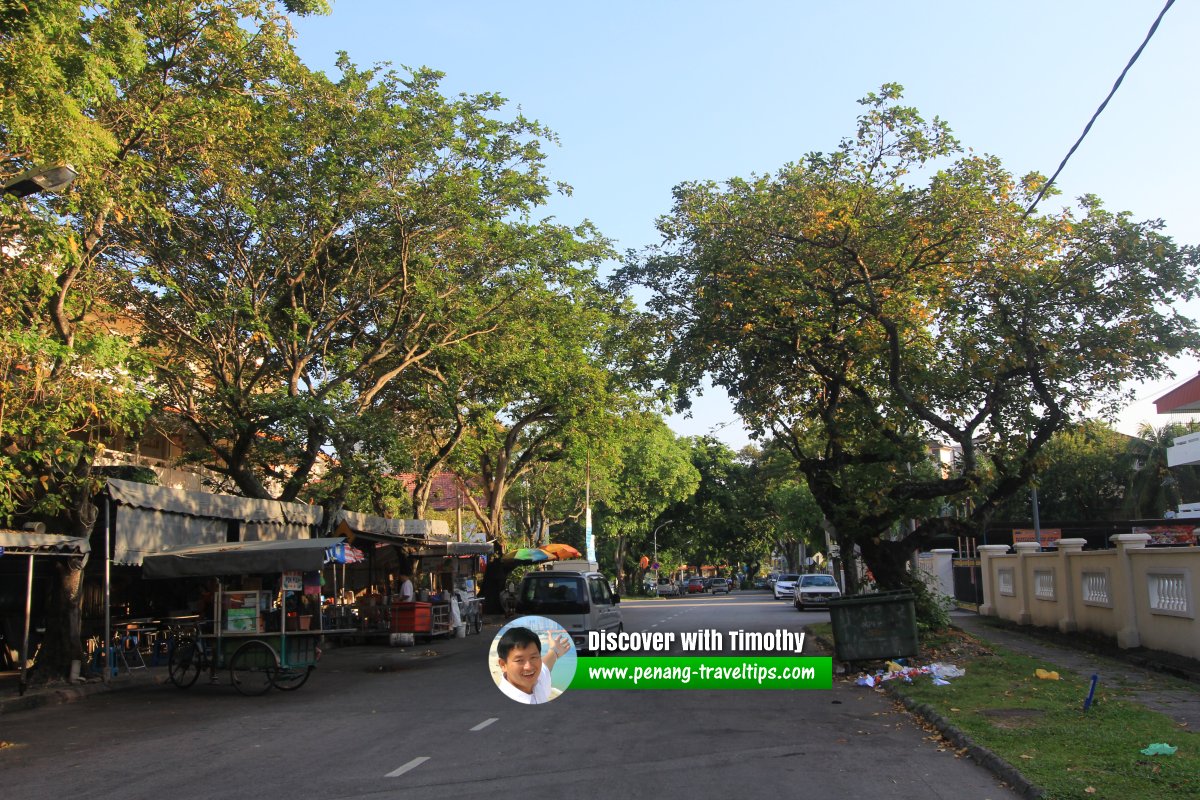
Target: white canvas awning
[154,518]
[398,531]
[25,543]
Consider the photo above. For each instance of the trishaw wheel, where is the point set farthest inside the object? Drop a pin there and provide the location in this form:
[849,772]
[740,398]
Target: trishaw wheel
[253,668]
[185,664]
[477,623]
[291,678]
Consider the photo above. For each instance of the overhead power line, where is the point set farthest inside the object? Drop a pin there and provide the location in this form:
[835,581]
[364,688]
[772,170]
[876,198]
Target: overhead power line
[1092,121]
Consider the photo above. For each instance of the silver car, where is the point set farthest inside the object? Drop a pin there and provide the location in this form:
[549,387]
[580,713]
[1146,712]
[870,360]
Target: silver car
[785,586]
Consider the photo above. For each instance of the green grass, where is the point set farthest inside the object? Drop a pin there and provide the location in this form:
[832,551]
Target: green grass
[1040,728]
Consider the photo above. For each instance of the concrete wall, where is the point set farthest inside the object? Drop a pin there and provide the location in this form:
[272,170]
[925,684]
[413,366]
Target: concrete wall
[1139,596]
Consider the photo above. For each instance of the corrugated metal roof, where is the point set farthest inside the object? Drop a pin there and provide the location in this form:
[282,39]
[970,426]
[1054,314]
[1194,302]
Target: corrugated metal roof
[1183,399]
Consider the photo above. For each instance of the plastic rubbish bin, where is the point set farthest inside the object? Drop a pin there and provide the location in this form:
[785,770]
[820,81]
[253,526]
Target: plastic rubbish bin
[874,626]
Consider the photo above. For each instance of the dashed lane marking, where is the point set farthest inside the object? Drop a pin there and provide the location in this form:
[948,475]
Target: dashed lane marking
[416,762]
[485,723]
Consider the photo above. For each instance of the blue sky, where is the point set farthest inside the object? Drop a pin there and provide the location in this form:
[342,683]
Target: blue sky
[644,95]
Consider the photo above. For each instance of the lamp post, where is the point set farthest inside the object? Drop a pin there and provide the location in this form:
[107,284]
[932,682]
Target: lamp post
[656,530]
[54,178]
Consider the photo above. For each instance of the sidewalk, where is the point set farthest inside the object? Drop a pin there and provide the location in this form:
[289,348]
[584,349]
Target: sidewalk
[365,657]
[1163,682]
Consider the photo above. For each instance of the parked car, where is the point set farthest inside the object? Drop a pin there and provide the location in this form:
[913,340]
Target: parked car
[718,585]
[815,590]
[785,586]
[667,588]
[579,601]
[695,586]
[761,583]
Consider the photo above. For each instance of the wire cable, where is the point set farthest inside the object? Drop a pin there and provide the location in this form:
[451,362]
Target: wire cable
[1099,110]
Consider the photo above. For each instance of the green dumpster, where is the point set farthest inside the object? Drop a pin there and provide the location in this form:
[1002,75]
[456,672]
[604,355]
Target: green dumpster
[874,626]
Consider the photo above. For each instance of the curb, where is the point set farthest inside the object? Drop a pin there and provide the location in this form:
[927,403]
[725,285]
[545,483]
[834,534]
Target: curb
[61,695]
[981,755]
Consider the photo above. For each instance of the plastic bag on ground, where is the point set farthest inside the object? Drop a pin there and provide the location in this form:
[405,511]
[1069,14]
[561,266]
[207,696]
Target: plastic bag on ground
[1159,749]
[940,670]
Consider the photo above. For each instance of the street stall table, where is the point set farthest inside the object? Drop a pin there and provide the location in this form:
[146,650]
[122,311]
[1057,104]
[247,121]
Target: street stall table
[260,650]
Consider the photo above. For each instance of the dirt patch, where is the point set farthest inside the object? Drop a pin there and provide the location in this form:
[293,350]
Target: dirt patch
[952,646]
[1011,718]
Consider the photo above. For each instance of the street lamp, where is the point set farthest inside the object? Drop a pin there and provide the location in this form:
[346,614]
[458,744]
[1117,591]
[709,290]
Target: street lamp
[40,179]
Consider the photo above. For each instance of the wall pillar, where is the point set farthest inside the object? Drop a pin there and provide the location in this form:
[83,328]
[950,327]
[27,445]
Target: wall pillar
[943,570]
[1021,577]
[986,553]
[1124,600]
[1064,588]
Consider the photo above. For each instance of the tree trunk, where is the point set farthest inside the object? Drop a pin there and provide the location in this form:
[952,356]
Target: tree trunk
[622,543]
[62,643]
[494,578]
[887,561]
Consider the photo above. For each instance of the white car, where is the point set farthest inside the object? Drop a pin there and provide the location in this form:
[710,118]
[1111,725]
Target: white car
[785,586]
[667,588]
[815,590]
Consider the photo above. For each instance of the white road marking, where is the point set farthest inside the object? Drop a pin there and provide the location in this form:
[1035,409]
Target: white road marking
[416,762]
[485,723]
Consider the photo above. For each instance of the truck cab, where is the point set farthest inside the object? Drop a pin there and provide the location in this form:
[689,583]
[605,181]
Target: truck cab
[580,601]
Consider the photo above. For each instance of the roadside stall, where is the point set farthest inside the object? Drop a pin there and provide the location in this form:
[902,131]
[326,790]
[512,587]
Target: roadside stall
[423,550]
[452,609]
[263,620]
[33,545]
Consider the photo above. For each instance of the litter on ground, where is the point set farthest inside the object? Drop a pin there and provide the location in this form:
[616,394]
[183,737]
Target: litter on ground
[1159,749]
[939,672]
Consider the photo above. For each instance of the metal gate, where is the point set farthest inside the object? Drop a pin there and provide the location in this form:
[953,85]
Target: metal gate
[968,583]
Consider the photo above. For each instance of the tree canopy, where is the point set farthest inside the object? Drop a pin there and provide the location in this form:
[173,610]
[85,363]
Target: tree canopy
[861,303]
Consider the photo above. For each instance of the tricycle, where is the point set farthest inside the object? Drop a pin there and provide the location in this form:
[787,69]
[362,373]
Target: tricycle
[243,635]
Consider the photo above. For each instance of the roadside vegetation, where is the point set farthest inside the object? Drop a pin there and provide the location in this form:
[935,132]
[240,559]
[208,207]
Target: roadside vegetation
[1039,726]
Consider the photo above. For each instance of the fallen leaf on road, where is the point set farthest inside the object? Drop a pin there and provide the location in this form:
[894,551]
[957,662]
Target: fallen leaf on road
[843,741]
[1025,756]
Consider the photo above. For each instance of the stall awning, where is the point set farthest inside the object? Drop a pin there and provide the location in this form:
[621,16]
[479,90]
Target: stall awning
[457,549]
[240,558]
[24,543]
[155,518]
[401,531]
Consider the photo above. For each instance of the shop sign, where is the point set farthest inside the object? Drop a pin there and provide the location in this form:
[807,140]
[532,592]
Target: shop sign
[1049,535]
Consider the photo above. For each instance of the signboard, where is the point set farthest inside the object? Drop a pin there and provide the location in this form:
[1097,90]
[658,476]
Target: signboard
[293,581]
[1170,534]
[1049,535]
[589,539]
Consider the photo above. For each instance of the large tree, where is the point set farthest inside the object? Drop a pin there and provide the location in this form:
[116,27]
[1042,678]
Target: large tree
[554,381]
[655,471]
[861,303]
[368,225]
[126,92]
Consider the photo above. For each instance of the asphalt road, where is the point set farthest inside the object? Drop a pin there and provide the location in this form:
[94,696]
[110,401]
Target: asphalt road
[373,722]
